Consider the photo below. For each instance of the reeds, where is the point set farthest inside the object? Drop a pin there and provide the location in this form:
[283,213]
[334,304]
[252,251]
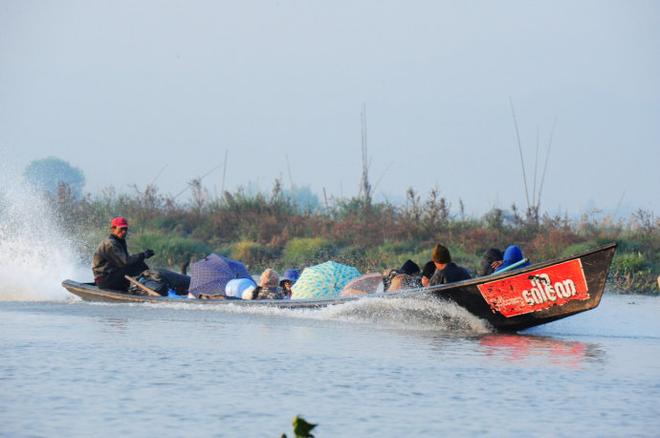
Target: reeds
[272,231]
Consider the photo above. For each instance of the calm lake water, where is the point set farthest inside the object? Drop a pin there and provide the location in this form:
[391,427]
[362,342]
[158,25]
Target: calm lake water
[379,368]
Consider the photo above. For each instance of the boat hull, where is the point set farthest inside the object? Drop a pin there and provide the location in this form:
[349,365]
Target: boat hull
[522,309]
[470,294]
[90,292]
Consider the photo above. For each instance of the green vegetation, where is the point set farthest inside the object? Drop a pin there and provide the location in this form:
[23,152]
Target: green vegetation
[307,250]
[272,231]
[301,428]
[172,250]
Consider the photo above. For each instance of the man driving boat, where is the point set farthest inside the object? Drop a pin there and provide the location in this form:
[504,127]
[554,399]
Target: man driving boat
[111,261]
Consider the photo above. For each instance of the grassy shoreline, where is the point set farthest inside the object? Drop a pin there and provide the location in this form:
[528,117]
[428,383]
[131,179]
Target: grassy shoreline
[273,231]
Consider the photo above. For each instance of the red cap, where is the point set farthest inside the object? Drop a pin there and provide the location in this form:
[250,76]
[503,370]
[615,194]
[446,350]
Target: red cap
[119,222]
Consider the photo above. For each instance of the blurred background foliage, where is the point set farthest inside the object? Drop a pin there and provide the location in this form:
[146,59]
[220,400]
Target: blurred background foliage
[272,230]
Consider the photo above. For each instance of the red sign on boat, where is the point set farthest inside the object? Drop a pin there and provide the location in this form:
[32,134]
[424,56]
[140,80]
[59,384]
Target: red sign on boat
[537,290]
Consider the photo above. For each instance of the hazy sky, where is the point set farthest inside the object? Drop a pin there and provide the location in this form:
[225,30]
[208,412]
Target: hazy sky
[123,88]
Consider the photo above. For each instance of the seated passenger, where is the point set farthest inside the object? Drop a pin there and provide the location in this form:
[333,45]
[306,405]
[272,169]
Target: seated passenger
[388,276]
[288,279]
[165,282]
[491,260]
[406,277]
[427,273]
[409,268]
[403,281]
[111,261]
[512,254]
[446,270]
[269,286]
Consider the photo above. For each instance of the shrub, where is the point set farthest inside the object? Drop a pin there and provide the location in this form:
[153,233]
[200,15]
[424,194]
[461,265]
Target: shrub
[549,244]
[629,263]
[307,251]
[632,272]
[271,231]
[254,255]
[352,255]
[171,251]
[391,255]
[578,248]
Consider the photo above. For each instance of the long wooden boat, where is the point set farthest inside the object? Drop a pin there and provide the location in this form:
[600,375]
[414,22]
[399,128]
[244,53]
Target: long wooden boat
[509,301]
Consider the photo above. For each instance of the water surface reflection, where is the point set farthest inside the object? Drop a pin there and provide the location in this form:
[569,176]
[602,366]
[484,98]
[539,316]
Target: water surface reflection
[115,325]
[551,351]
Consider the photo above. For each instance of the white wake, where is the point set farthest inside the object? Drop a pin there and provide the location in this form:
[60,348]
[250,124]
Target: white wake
[35,253]
[408,313]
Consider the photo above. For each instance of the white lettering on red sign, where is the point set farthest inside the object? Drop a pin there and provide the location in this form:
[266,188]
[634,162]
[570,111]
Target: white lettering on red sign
[536,290]
[542,291]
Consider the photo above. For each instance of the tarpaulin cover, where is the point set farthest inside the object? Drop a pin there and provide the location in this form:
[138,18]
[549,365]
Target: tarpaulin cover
[367,284]
[210,275]
[323,281]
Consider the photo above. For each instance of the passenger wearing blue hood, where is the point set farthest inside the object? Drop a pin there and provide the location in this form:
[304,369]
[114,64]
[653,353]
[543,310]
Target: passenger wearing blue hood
[512,254]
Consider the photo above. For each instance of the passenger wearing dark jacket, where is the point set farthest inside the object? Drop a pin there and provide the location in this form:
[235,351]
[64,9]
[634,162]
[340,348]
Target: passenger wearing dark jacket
[446,270]
[427,273]
[409,268]
[491,260]
[111,261]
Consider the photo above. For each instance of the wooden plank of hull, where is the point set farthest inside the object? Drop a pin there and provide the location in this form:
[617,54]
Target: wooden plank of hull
[89,292]
[466,294]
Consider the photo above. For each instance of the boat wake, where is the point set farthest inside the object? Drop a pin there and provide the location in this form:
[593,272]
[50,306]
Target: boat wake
[35,253]
[410,313]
